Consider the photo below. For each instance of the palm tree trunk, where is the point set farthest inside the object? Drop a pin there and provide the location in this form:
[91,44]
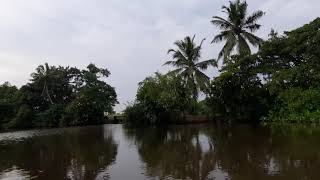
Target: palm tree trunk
[46,92]
[48,95]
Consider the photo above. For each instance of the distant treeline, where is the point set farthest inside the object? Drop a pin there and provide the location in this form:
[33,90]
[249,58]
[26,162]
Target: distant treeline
[279,83]
[57,96]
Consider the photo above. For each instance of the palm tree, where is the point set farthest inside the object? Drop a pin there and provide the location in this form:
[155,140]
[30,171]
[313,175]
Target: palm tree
[186,60]
[237,30]
[42,76]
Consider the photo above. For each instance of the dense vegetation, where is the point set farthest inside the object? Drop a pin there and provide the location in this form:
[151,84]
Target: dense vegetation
[57,96]
[168,97]
[291,66]
[278,83]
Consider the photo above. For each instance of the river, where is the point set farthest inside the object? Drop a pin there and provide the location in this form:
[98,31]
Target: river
[208,151]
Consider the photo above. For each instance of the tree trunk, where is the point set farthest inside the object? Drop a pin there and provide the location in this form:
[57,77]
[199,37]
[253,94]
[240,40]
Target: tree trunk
[49,97]
[45,92]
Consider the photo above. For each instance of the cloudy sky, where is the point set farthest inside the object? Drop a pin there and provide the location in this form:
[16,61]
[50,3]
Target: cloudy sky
[128,37]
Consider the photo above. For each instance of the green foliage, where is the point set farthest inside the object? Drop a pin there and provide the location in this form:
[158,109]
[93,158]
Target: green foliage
[186,60]
[297,105]
[238,92]
[50,117]
[158,98]
[9,97]
[167,92]
[137,114]
[93,99]
[237,30]
[292,60]
[23,119]
[290,65]
[58,96]
[280,83]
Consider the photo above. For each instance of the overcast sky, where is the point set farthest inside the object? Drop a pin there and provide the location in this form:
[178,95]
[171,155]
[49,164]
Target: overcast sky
[128,37]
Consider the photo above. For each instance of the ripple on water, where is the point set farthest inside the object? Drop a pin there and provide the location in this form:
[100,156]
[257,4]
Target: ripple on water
[15,173]
[20,136]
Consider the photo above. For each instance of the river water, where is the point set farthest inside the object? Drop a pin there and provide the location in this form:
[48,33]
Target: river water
[237,152]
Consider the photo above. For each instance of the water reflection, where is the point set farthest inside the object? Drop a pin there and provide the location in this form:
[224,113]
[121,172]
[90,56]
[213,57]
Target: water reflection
[176,152]
[78,153]
[235,152]
[194,152]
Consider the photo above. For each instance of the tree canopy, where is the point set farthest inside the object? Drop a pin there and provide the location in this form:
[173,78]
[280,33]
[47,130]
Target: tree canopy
[187,61]
[237,29]
[58,96]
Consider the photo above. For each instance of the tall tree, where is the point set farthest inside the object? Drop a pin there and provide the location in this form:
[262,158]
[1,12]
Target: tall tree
[9,99]
[42,75]
[237,30]
[188,65]
[94,97]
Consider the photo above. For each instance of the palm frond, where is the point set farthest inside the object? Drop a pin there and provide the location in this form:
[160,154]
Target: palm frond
[169,63]
[243,47]
[253,27]
[205,64]
[170,51]
[220,37]
[185,74]
[194,36]
[175,72]
[47,66]
[228,47]
[186,58]
[182,48]
[180,57]
[233,15]
[254,40]
[221,23]
[201,43]
[237,27]
[254,17]
[226,9]
[201,75]
[202,79]
[242,11]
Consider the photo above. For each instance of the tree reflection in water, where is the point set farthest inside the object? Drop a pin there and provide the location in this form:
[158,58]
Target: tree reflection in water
[233,152]
[73,154]
[175,152]
[229,152]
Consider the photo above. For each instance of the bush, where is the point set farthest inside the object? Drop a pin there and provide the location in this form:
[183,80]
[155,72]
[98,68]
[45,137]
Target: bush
[297,105]
[50,117]
[160,98]
[238,92]
[82,112]
[22,119]
[137,114]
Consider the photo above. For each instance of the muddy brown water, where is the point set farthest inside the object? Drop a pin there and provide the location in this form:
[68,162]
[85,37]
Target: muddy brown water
[237,152]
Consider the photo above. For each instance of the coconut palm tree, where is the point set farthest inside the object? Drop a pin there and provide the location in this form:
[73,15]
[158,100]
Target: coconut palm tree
[42,75]
[237,30]
[187,61]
